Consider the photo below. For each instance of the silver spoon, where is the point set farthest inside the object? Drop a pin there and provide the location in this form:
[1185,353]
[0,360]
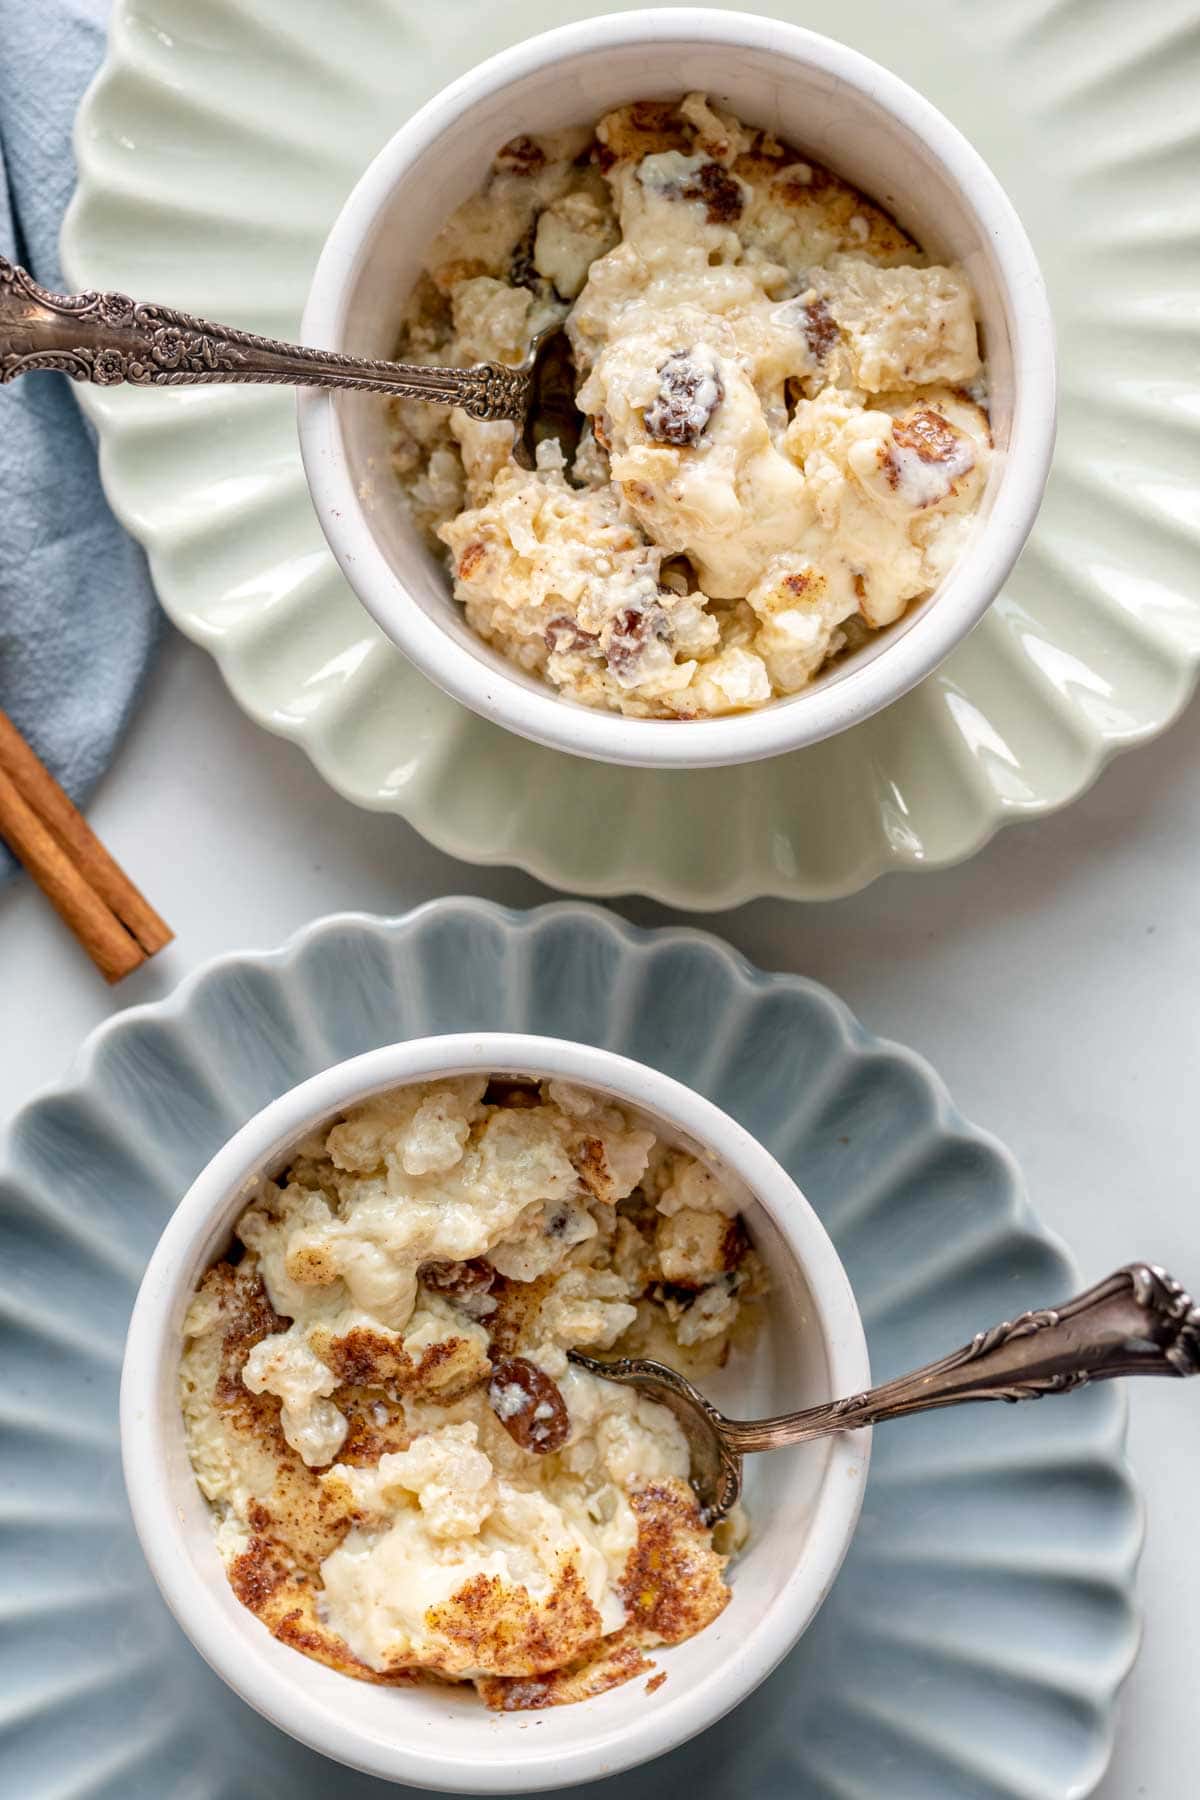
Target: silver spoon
[108,339]
[1138,1322]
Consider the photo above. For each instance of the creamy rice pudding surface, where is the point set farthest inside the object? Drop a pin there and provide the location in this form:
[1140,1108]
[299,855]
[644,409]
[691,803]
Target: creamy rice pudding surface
[408,1478]
[786,437]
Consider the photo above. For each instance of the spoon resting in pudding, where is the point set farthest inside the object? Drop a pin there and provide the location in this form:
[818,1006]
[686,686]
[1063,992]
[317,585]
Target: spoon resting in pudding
[1137,1322]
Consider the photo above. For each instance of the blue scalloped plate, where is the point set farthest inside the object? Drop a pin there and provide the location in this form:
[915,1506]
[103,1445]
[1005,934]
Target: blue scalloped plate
[974,1643]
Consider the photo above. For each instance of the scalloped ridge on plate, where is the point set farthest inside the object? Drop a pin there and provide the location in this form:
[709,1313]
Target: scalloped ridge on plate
[206,185]
[974,1642]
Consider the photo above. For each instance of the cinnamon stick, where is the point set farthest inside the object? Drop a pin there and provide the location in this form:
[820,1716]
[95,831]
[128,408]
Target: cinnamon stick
[80,851]
[113,950]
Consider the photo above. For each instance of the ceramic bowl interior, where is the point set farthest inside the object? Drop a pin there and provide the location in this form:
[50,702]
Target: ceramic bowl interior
[804,1505]
[813,94]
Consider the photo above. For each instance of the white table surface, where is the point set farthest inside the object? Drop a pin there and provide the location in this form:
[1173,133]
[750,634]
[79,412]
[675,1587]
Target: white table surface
[1054,982]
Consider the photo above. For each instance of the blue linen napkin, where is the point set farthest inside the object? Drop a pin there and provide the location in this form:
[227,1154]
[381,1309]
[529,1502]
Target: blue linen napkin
[78,617]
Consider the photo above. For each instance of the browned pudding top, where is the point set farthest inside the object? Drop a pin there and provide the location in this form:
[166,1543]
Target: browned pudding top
[441,1496]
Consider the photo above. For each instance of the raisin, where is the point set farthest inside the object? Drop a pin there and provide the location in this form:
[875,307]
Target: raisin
[520,156]
[820,329]
[529,1405]
[563,635]
[688,396]
[932,438]
[720,191]
[459,1279]
[632,630]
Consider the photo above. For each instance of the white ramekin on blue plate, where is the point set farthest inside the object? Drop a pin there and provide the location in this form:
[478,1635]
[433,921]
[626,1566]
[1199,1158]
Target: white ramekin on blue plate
[804,1504]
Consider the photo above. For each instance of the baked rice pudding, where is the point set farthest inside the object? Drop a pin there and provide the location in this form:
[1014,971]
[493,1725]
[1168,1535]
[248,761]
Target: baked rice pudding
[786,432]
[408,1479]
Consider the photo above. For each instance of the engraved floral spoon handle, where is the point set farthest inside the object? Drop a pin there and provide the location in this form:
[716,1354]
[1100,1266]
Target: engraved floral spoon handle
[1137,1322]
[107,338]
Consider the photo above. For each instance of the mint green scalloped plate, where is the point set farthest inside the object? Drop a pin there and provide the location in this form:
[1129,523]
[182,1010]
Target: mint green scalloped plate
[214,150]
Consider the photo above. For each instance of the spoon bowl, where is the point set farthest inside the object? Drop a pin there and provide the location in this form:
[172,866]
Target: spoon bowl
[550,409]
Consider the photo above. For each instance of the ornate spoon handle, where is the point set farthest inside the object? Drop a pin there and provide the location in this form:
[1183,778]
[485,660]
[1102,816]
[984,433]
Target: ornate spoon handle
[107,338]
[1138,1322]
